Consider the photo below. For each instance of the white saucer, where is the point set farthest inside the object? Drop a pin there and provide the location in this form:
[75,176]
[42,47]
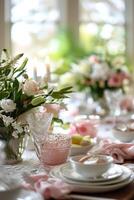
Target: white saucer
[125,176]
[68,172]
[91,188]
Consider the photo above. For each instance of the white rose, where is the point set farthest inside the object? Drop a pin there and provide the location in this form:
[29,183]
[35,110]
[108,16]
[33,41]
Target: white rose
[100,71]
[15,134]
[68,79]
[7,120]
[7,105]
[30,87]
[83,67]
[18,127]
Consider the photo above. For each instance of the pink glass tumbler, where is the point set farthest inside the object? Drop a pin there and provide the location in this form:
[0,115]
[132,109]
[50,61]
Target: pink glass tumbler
[55,149]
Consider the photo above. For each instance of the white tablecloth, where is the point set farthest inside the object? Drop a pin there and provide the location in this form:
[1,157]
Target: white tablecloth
[30,164]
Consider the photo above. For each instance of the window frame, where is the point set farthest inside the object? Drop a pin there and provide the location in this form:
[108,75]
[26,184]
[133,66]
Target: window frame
[129,16]
[5,24]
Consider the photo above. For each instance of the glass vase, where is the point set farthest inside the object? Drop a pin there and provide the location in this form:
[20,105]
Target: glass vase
[102,107]
[113,99]
[14,149]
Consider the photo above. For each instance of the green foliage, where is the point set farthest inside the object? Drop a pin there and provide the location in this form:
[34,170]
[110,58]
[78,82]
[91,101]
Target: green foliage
[64,46]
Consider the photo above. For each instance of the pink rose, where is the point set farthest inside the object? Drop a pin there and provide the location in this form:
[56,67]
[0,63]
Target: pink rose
[116,79]
[94,59]
[31,87]
[53,108]
[84,127]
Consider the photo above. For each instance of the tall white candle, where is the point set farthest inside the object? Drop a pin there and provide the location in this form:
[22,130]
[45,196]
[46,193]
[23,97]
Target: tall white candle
[35,73]
[47,69]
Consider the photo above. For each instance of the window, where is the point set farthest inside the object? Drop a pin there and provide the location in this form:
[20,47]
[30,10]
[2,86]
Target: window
[34,24]
[102,26]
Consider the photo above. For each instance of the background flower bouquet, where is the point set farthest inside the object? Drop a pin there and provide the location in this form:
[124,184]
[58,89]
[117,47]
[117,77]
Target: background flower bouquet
[95,75]
[18,96]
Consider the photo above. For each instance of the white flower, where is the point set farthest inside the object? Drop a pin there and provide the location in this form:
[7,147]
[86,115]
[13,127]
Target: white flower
[17,127]
[15,134]
[100,71]
[7,120]
[83,67]
[30,87]
[68,79]
[7,105]
[26,129]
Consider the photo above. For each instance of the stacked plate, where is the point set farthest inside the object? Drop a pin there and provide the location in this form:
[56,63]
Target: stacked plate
[116,177]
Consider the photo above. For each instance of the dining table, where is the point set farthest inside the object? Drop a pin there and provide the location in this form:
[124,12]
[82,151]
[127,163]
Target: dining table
[31,165]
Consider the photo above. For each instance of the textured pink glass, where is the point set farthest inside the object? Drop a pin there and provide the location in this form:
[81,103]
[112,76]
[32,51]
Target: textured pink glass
[55,149]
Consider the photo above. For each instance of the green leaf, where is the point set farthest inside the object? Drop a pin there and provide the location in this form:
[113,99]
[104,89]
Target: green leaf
[66,89]
[16,84]
[4,95]
[4,56]
[57,120]
[49,92]
[21,73]
[22,65]
[15,59]
[7,72]
[60,94]
[6,53]
[38,101]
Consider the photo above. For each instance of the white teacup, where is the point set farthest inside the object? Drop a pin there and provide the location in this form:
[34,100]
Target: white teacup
[94,167]
[123,133]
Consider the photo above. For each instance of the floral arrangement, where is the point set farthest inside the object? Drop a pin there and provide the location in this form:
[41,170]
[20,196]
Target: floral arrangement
[95,75]
[19,95]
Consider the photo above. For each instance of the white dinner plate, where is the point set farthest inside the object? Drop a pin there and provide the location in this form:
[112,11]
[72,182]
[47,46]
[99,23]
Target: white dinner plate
[68,172]
[91,188]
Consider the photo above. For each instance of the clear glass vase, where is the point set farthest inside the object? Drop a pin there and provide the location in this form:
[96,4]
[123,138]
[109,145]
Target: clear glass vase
[113,99]
[14,149]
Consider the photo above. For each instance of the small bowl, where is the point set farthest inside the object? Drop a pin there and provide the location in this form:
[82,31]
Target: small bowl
[123,135]
[91,169]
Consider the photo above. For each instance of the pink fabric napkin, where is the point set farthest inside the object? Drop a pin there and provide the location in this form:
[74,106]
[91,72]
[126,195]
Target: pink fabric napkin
[119,151]
[46,186]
